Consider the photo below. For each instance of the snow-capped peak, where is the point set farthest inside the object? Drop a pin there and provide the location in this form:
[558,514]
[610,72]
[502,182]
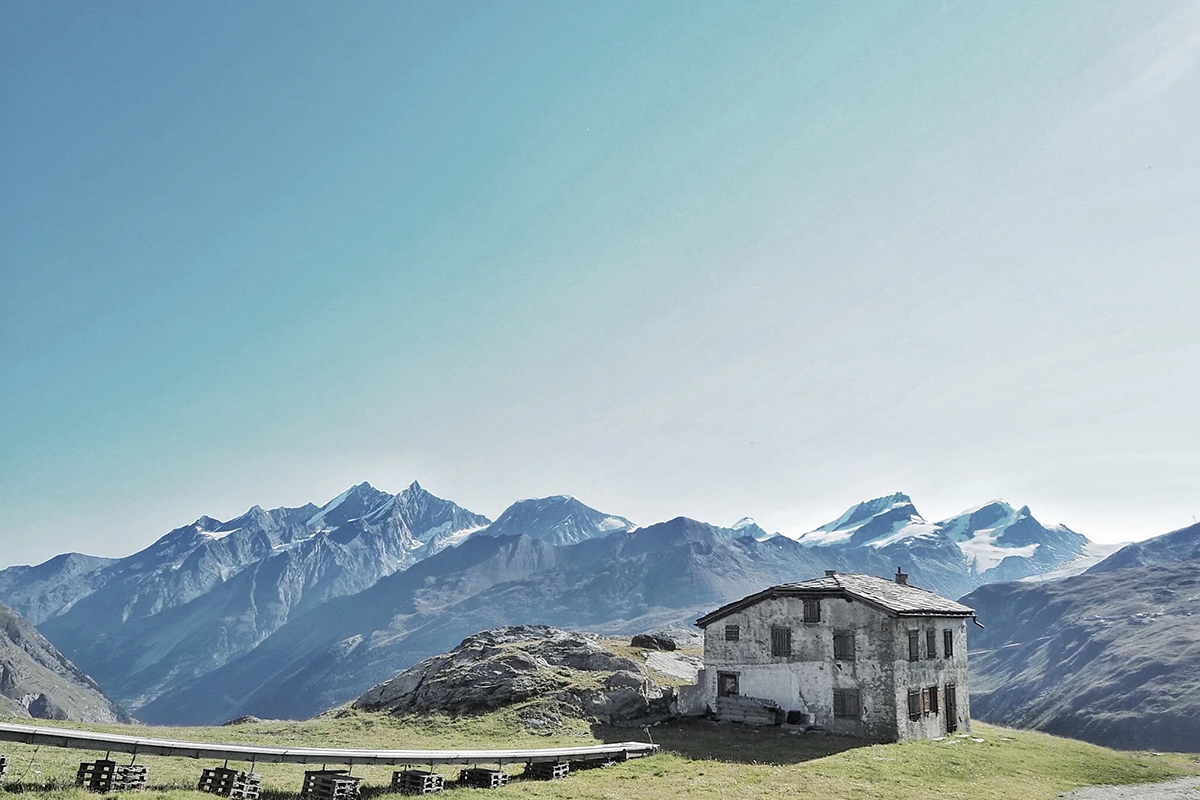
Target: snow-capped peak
[744,522]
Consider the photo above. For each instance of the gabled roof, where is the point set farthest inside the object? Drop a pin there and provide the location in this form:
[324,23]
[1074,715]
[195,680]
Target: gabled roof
[897,599]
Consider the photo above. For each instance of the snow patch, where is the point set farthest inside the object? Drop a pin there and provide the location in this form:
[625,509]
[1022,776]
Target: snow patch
[982,551]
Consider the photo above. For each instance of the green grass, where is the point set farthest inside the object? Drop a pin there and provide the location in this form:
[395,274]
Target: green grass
[700,760]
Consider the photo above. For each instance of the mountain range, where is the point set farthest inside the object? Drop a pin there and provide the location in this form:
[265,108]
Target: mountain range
[290,611]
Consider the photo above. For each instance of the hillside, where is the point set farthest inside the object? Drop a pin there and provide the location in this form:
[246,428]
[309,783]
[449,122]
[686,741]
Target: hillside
[38,681]
[1111,657]
[699,760]
[1170,548]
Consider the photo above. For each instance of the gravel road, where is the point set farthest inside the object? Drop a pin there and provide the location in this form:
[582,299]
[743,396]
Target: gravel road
[1183,789]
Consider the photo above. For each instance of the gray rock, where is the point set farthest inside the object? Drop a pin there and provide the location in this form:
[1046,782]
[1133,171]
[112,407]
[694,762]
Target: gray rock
[624,679]
[506,666]
[653,641]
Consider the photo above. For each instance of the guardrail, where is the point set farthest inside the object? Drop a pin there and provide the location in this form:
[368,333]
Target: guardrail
[148,746]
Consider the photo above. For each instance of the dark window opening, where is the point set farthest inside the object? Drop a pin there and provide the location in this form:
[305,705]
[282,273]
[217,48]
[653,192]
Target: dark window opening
[732,633]
[781,640]
[914,703]
[931,643]
[948,643]
[843,645]
[727,684]
[914,645]
[846,704]
[812,610]
[933,699]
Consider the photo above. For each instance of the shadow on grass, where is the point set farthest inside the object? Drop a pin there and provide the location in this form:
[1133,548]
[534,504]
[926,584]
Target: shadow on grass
[706,740]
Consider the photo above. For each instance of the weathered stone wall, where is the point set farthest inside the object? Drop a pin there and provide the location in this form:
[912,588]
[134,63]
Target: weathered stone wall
[805,681]
[937,671]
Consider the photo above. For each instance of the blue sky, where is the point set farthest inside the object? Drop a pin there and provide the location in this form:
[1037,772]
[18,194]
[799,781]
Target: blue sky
[672,258]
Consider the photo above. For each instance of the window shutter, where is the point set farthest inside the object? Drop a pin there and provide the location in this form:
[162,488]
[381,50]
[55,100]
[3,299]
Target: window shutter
[781,640]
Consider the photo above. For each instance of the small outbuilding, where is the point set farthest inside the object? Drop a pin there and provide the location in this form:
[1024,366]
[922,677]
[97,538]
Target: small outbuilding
[852,654]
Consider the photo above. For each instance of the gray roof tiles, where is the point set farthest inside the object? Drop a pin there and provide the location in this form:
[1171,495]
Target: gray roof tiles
[896,598]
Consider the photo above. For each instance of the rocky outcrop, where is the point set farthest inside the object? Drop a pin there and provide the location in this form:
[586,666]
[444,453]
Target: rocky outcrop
[552,671]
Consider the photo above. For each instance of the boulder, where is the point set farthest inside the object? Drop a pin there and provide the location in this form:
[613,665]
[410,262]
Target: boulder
[652,641]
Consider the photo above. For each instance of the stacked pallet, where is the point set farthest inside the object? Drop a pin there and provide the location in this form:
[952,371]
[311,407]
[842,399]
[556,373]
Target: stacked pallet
[233,783]
[547,770]
[417,781]
[479,778]
[748,710]
[109,776]
[330,784]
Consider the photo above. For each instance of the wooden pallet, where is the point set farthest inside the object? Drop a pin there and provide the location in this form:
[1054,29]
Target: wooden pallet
[480,778]
[232,783]
[109,776]
[331,784]
[547,770]
[417,781]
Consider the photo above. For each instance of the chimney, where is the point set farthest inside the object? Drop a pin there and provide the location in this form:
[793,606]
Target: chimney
[829,573]
[901,577]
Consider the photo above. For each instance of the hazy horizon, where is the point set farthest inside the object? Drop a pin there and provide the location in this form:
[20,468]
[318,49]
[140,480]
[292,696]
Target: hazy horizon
[695,259]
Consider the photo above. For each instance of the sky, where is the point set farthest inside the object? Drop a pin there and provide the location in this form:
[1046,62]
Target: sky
[673,258]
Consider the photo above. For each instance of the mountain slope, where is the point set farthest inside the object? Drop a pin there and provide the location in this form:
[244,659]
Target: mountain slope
[36,680]
[1170,548]
[1111,657]
[45,590]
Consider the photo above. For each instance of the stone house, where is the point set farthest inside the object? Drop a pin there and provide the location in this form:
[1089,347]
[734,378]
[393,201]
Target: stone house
[852,654]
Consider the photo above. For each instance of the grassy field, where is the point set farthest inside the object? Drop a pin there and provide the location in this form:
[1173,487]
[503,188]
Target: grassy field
[700,760]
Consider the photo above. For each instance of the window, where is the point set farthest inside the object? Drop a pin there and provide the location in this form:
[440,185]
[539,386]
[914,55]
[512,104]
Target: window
[931,643]
[914,645]
[732,633]
[914,703]
[846,704]
[925,701]
[781,640]
[843,645]
[948,643]
[812,610]
[933,700]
